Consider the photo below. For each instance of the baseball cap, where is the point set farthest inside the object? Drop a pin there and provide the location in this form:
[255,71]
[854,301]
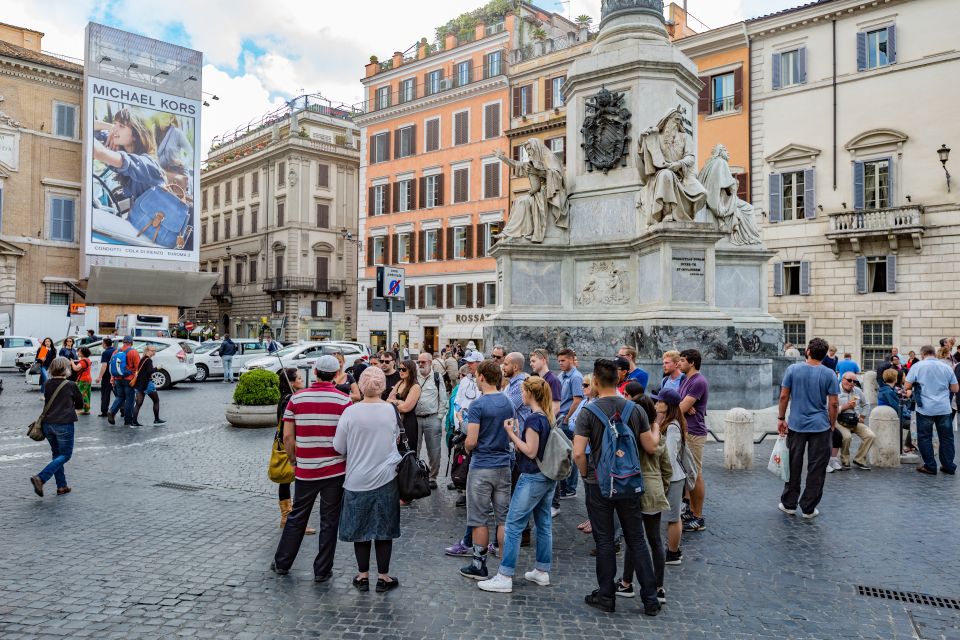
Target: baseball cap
[623,363]
[474,356]
[327,364]
[668,396]
[128,339]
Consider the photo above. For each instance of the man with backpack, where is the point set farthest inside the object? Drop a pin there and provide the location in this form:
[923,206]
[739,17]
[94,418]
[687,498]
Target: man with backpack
[123,366]
[615,429]
[228,349]
[431,408]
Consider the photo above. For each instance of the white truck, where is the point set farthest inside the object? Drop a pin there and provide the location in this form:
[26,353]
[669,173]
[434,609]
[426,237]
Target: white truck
[47,320]
[141,325]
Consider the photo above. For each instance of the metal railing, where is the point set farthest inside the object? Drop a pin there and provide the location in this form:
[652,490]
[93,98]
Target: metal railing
[301,283]
[544,47]
[220,290]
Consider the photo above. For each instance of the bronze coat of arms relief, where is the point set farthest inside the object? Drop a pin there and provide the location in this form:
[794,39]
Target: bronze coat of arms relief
[605,126]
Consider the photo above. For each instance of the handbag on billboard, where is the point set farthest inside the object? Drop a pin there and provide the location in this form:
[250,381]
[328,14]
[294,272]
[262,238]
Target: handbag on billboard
[161,216]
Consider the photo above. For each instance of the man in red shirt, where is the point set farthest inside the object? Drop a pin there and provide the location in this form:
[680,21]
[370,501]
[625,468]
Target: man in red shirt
[309,425]
[121,385]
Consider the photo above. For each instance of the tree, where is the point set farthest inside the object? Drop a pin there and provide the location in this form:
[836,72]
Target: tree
[583,20]
[539,34]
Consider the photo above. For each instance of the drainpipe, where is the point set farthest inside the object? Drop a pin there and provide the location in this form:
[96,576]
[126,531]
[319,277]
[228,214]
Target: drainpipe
[749,111]
[834,22]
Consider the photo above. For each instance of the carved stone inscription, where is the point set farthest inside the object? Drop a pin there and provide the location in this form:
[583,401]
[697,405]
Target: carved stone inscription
[689,275]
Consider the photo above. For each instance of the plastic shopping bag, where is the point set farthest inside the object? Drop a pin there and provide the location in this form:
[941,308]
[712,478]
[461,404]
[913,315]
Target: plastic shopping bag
[779,464]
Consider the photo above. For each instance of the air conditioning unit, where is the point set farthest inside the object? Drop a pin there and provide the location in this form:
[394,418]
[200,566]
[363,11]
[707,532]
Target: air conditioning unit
[446,84]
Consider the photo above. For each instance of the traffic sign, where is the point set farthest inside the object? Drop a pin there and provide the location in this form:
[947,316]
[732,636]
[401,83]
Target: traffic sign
[380,305]
[188,325]
[390,282]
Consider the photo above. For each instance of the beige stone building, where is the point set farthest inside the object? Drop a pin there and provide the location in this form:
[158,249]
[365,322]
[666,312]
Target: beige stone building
[278,222]
[850,104]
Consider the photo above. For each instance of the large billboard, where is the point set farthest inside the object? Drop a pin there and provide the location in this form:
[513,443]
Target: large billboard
[142,102]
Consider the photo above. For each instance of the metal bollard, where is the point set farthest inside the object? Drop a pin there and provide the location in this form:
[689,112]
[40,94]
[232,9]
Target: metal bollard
[738,439]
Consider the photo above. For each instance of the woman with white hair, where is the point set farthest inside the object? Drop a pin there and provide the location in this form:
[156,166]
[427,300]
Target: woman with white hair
[63,399]
[367,435]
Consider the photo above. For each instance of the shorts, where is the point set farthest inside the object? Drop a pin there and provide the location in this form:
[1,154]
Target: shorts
[488,496]
[695,445]
[675,497]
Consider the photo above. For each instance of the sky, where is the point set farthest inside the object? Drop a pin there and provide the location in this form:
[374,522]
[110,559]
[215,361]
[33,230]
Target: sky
[257,53]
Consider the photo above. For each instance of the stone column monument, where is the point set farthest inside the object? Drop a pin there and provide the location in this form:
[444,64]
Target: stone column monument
[647,254]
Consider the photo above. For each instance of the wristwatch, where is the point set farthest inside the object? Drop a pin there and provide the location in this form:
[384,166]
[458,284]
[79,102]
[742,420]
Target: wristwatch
[782,418]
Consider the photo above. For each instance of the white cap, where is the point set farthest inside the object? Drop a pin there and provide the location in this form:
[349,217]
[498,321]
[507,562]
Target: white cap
[474,356]
[327,364]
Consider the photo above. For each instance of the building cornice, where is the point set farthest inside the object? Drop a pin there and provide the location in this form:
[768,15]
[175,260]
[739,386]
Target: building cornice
[714,41]
[444,97]
[766,26]
[449,55]
[40,73]
[537,127]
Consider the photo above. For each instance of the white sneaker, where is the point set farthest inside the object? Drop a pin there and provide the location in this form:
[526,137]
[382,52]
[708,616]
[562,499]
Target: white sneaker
[810,516]
[541,578]
[554,512]
[830,468]
[834,464]
[497,584]
[789,512]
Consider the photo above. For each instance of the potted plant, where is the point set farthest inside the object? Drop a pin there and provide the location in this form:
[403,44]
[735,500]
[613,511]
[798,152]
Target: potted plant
[255,400]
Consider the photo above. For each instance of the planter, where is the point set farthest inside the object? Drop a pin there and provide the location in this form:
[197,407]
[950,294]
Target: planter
[247,417]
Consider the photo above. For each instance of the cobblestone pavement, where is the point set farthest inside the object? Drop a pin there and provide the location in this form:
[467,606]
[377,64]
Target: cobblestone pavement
[122,557]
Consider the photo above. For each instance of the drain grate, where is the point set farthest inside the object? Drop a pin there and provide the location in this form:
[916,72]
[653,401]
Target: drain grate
[910,597]
[179,487]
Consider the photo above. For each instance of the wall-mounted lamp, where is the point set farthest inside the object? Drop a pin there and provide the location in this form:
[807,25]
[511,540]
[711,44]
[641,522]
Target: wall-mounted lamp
[104,59]
[820,206]
[909,199]
[206,104]
[133,65]
[194,78]
[162,73]
[844,205]
[944,153]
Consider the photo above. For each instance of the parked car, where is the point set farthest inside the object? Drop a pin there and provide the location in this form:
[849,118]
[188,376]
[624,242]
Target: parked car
[209,364]
[18,351]
[304,354]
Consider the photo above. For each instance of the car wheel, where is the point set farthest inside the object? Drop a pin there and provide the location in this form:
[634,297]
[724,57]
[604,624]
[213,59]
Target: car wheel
[202,373]
[22,368]
[160,379]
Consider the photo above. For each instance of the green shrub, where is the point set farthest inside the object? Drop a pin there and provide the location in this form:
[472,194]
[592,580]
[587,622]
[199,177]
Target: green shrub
[257,388]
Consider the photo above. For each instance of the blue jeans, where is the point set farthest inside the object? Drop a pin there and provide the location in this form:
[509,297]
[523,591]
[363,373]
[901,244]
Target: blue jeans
[126,395]
[533,495]
[43,378]
[60,438]
[227,368]
[925,425]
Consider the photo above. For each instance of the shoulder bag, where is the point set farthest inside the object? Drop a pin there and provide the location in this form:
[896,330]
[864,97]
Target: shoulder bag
[413,476]
[280,470]
[686,462]
[35,429]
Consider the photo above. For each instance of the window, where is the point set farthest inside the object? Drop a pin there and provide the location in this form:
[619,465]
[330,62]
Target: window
[408,90]
[226,228]
[876,184]
[491,121]
[795,333]
[791,278]
[522,101]
[491,179]
[403,248]
[281,174]
[464,72]
[255,183]
[239,224]
[461,127]
[558,146]
[380,147]
[493,64]
[490,294]
[459,295]
[382,98]
[490,230]
[226,275]
[323,215]
[876,48]
[253,270]
[281,206]
[431,240]
[459,243]
[320,309]
[59,298]
[379,199]
[378,247]
[430,296]
[204,200]
[433,82]
[792,195]
[323,175]
[216,196]
[62,218]
[790,71]
[723,93]
[64,120]
[433,134]
[405,141]
[238,271]
[216,231]
[432,191]
[554,97]
[876,274]
[461,185]
[254,215]
[406,201]
[228,192]
[240,189]
[877,341]
[203,233]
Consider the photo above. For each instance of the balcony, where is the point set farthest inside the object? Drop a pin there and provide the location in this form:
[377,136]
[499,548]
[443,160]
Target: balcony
[308,285]
[221,292]
[890,223]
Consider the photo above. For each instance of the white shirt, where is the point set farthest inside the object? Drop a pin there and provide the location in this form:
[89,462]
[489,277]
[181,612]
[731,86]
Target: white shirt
[367,435]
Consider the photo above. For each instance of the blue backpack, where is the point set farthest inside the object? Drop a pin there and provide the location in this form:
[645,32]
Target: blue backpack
[118,364]
[618,470]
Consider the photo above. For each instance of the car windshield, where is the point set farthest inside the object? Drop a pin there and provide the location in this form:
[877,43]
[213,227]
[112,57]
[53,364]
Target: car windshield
[207,347]
[288,351]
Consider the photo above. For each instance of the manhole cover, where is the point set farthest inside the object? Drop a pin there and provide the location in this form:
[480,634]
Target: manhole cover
[179,487]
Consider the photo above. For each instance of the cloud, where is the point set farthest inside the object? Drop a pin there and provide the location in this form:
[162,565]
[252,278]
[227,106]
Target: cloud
[241,99]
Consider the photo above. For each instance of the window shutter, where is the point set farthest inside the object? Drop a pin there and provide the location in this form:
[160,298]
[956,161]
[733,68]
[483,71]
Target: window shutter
[386,198]
[369,298]
[481,241]
[440,246]
[890,184]
[371,198]
[423,193]
[776,70]
[516,153]
[439,296]
[396,196]
[323,216]
[413,139]
[440,190]
[449,243]
[703,101]
[373,145]
[516,102]
[469,295]
[743,186]
[468,249]
[411,194]
[396,144]
[778,278]
[369,252]
[809,194]
[802,64]
[861,274]
[805,277]
[548,94]
[481,287]
[386,145]
[421,297]
[737,88]
[776,197]
[528,100]
[422,246]
[409,297]
[891,44]
[861,51]
[329,309]
[449,299]
[70,112]
[858,185]
[892,273]
[395,249]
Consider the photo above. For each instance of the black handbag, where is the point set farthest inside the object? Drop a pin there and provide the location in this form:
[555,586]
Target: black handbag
[413,476]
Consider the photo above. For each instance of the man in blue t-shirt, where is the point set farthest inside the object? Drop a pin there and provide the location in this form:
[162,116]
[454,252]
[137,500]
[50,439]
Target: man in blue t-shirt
[488,483]
[847,365]
[571,395]
[812,392]
[634,373]
[931,382]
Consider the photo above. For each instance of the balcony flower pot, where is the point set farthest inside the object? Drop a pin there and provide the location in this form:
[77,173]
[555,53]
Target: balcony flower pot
[255,400]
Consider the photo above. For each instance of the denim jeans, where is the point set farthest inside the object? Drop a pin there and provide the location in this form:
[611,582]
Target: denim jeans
[532,496]
[227,368]
[60,439]
[126,395]
[43,377]
[925,425]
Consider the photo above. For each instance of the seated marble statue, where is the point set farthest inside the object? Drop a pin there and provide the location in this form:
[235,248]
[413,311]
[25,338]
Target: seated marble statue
[547,198]
[671,191]
[734,215]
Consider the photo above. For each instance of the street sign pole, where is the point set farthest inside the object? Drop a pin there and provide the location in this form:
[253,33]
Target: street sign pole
[389,324]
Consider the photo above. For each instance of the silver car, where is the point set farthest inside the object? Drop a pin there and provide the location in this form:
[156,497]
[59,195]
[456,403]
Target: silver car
[210,365]
[303,355]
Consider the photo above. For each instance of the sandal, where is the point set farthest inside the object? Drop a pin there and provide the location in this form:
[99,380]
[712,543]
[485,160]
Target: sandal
[361,584]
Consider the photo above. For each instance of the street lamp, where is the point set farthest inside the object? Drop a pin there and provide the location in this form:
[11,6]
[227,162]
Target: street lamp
[944,153]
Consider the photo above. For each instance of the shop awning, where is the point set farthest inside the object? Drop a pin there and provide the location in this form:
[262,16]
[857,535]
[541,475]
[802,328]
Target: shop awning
[461,332]
[116,285]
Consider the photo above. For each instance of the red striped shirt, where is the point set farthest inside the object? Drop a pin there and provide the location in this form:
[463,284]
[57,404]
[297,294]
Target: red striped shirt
[315,413]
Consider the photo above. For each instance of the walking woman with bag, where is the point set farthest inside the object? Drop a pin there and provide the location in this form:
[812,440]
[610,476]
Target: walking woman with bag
[280,469]
[370,517]
[63,399]
[143,384]
[45,356]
